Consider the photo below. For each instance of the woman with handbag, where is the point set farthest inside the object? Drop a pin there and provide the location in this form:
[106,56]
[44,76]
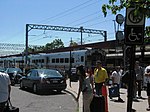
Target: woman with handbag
[85,86]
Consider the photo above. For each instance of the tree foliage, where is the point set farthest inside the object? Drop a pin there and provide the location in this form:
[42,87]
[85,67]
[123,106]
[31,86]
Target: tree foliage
[73,43]
[57,43]
[141,6]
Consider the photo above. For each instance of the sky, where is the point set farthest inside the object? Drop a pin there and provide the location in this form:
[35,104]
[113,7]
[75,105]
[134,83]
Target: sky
[15,14]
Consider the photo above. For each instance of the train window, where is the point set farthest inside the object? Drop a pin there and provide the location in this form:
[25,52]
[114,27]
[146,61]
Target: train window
[72,60]
[53,60]
[47,60]
[61,60]
[66,60]
[42,60]
[57,60]
[82,58]
[33,61]
[39,60]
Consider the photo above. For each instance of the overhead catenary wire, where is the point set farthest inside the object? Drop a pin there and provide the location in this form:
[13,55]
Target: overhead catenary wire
[68,12]
[83,18]
[90,20]
[100,22]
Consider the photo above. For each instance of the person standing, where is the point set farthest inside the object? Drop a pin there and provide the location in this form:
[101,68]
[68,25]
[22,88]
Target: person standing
[116,80]
[100,77]
[147,75]
[5,88]
[85,86]
[90,75]
[139,78]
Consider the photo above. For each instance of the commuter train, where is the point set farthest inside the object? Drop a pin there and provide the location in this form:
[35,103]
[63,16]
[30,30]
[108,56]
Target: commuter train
[59,60]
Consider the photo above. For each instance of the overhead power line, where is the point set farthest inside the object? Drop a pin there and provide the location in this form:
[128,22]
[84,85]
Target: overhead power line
[83,17]
[87,21]
[12,47]
[68,11]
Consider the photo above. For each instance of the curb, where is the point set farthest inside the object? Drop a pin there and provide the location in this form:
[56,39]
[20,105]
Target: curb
[73,94]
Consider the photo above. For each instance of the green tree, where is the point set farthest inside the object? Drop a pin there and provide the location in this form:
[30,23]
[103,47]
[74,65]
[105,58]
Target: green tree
[30,49]
[142,6]
[35,48]
[57,43]
[73,43]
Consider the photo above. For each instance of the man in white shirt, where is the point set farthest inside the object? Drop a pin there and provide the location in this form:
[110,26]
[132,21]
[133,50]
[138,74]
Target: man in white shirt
[4,90]
[147,75]
[139,78]
[116,77]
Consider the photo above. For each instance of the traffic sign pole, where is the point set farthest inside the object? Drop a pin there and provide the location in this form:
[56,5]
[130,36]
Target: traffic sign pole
[134,34]
[131,79]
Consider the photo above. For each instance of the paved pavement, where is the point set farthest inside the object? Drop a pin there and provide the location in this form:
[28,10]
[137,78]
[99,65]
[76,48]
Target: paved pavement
[113,106]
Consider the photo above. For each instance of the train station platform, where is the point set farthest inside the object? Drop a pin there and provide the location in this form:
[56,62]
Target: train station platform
[140,105]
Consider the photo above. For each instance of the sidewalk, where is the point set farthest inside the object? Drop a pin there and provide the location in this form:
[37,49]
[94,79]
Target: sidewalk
[73,90]
[112,106]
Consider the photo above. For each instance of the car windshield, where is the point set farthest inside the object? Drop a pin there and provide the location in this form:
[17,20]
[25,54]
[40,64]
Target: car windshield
[2,69]
[13,70]
[49,73]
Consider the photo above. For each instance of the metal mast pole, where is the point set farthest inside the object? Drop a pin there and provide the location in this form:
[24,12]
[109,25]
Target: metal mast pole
[131,84]
[26,52]
[81,33]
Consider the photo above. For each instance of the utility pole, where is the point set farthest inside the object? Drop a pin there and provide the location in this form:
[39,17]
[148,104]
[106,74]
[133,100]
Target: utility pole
[115,26]
[70,71]
[26,52]
[131,85]
[81,33]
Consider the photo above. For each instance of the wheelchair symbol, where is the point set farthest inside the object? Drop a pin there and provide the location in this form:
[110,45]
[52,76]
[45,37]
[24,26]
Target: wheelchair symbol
[133,36]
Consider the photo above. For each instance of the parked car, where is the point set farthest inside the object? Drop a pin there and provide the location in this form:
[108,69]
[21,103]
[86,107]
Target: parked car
[15,74]
[40,80]
[2,69]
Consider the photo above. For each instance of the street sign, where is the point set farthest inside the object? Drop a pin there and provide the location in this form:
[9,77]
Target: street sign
[119,19]
[134,35]
[133,19]
[134,27]
[119,35]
